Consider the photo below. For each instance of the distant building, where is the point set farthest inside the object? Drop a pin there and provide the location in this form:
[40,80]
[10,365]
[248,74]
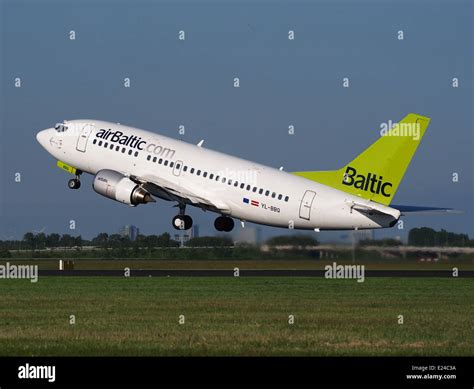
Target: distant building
[195,231]
[259,235]
[363,235]
[248,234]
[129,231]
[185,235]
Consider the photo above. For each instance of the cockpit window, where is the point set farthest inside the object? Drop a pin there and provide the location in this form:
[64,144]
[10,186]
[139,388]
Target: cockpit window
[60,127]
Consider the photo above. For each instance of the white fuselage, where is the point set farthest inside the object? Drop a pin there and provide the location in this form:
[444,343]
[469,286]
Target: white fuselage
[261,195]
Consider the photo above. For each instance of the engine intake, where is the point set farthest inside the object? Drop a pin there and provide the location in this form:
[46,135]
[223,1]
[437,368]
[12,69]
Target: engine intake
[118,187]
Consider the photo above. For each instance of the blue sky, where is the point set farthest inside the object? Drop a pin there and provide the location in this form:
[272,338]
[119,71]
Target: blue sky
[282,83]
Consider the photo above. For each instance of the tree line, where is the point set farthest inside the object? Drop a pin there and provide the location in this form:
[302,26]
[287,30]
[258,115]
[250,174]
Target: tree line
[40,241]
[428,237]
[43,241]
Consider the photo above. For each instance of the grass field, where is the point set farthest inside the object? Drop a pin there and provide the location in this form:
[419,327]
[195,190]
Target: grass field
[236,316]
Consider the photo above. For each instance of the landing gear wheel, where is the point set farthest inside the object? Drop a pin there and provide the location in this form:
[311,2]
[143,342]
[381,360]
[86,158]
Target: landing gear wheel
[188,222]
[182,222]
[224,223]
[74,183]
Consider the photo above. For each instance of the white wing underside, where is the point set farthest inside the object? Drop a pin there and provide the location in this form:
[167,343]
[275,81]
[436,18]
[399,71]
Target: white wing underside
[188,193]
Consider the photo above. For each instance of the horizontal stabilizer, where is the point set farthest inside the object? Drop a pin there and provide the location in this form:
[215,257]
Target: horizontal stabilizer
[411,209]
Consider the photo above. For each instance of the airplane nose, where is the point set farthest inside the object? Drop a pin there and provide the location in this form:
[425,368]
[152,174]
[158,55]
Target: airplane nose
[43,137]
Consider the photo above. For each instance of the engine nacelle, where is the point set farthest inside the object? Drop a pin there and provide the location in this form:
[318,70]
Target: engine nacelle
[118,187]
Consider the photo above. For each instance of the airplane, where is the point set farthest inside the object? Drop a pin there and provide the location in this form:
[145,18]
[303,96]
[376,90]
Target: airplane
[134,166]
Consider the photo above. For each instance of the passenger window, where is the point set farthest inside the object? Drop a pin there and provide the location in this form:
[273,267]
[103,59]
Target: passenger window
[274,194]
[111,146]
[229,182]
[160,161]
[204,174]
[267,193]
[260,191]
[286,198]
[198,172]
[217,178]
[254,189]
[106,144]
[130,152]
[211,176]
[123,149]
[95,141]
[136,154]
[171,164]
[279,197]
[223,180]
[192,170]
[117,148]
[185,168]
[242,185]
[178,166]
[236,184]
[248,187]
[100,143]
[154,159]
[166,162]
[148,157]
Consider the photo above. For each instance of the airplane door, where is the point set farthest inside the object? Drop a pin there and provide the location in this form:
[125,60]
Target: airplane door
[84,137]
[306,203]
[178,165]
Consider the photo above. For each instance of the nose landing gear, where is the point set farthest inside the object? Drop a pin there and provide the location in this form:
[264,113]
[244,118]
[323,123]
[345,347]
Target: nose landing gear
[74,183]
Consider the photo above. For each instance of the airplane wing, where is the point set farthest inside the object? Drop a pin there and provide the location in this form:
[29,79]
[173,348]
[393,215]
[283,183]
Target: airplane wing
[190,194]
[411,209]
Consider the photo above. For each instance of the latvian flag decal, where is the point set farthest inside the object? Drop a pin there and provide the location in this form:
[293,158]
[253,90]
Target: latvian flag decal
[252,202]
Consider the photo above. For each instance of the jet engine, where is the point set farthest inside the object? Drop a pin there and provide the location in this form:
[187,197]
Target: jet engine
[118,187]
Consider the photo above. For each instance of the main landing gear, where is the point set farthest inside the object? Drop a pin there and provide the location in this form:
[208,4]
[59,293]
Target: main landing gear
[185,222]
[182,221]
[224,223]
[74,183]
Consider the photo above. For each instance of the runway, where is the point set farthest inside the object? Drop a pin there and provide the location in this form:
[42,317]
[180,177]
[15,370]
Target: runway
[249,273]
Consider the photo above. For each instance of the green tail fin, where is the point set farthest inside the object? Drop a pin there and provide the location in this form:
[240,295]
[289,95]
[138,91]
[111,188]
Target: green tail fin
[376,173]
